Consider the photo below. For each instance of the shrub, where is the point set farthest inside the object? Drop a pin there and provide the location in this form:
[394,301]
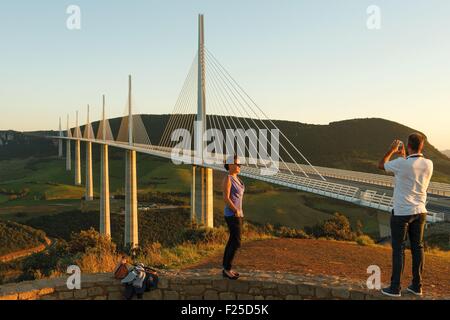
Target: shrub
[91,241]
[285,232]
[43,263]
[337,228]
[93,252]
[437,236]
[206,235]
[15,237]
[364,240]
[92,261]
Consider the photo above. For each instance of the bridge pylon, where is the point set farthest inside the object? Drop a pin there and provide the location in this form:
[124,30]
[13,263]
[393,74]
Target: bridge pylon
[202,177]
[77,155]
[60,143]
[68,150]
[131,210]
[105,221]
[89,180]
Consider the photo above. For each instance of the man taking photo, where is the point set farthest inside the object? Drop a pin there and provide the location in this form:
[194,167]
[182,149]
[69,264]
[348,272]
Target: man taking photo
[412,176]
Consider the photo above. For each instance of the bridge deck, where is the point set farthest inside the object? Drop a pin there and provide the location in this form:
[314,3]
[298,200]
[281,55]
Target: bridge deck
[291,176]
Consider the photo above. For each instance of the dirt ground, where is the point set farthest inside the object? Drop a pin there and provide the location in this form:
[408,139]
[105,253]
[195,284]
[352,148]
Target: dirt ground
[333,258]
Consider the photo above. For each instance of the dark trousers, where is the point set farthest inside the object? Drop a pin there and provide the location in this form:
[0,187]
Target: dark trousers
[401,228]
[234,241]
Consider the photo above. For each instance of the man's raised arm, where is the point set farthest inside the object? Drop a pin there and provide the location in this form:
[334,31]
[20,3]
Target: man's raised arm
[397,147]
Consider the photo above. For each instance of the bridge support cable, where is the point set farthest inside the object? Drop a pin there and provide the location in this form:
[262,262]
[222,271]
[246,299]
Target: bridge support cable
[183,107]
[232,97]
[216,91]
[227,88]
[239,126]
[186,114]
[249,102]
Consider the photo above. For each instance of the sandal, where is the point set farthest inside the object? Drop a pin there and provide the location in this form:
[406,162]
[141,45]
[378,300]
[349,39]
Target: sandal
[225,275]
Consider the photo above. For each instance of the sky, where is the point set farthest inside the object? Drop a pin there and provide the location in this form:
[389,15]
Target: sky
[310,61]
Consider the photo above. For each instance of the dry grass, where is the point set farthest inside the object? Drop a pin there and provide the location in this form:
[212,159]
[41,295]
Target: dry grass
[92,262]
[188,253]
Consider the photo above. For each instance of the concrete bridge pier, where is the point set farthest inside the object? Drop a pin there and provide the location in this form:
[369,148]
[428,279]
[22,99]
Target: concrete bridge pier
[68,150]
[68,156]
[131,211]
[77,163]
[105,224]
[60,143]
[202,197]
[193,187]
[60,148]
[209,196]
[89,181]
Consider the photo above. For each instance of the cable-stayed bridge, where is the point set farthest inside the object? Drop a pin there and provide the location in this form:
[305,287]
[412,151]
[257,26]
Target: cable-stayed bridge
[212,107]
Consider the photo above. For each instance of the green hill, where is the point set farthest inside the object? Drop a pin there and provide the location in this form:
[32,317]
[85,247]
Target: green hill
[14,145]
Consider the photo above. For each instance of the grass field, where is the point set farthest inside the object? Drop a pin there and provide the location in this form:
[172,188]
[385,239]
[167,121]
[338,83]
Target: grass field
[51,191]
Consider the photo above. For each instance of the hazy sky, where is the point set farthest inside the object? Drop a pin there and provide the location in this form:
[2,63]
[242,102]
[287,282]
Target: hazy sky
[311,61]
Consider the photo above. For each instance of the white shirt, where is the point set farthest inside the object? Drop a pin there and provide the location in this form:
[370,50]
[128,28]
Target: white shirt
[412,177]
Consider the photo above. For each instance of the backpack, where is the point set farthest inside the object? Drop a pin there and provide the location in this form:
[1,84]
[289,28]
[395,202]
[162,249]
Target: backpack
[151,279]
[121,271]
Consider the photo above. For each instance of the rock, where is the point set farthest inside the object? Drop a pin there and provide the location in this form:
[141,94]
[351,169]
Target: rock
[255,291]
[115,296]
[114,288]
[238,286]
[286,289]
[95,291]
[323,293]
[65,295]
[305,290]
[211,295]
[220,285]
[153,295]
[80,294]
[227,296]
[244,296]
[341,293]
[293,297]
[357,295]
[195,289]
[171,295]
[163,283]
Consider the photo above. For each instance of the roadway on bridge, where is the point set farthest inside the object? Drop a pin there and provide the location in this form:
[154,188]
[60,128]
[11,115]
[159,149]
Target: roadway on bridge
[435,203]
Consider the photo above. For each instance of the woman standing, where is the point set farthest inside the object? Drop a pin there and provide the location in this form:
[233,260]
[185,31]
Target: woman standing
[233,192]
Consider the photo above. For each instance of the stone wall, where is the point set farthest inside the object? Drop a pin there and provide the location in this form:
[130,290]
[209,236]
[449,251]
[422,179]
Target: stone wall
[196,285]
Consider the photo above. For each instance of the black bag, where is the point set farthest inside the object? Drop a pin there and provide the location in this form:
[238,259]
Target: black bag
[151,279]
